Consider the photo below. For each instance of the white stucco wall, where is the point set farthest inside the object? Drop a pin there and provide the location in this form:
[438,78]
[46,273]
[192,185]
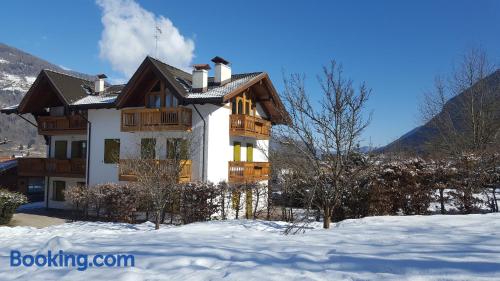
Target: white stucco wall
[106,125]
[219,146]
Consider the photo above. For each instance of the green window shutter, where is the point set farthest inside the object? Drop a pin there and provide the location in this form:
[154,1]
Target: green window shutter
[60,149]
[237,151]
[184,149]
[111,151]
[177,149]
[148,148]
[249,152]
[58,190]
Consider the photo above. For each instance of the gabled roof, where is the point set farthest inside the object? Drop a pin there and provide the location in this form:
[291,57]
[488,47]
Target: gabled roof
[53,88]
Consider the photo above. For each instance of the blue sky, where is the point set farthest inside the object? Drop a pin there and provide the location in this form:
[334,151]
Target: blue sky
[396,47]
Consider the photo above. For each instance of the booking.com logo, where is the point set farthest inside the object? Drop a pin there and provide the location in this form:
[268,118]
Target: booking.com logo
[62,259]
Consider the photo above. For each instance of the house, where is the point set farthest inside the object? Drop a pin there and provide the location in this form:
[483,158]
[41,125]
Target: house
[32,187]
[92,128]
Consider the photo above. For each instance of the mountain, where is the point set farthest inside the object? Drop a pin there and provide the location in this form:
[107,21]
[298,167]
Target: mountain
[416,139]
[18,70]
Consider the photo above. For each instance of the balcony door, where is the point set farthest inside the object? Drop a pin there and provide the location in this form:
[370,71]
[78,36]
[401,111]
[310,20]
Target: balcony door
[243,105]
[60,149]
[161,97]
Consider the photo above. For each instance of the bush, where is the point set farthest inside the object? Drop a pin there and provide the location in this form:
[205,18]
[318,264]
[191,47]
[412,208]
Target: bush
[9,202]
[198,202]
[118,202]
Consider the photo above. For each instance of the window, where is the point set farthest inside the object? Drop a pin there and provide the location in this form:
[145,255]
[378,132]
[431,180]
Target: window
[60,148]
[240,106]
[36,185]
[148,148]
[58,190]
[233,107]
[154,100]
[247,107]
[78,149]
[111,151]
[249,152]
[177,149]
[236,151]
[175,101]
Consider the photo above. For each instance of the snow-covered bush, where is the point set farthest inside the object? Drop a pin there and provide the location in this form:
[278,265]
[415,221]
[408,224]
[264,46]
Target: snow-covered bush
[9,202]
[198,201]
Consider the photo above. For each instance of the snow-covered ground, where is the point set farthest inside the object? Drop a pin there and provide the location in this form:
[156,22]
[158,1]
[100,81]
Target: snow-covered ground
[375,248]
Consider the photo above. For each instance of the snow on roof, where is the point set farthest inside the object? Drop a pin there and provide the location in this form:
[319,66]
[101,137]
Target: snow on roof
[6,165]
[96,99]
[216,91]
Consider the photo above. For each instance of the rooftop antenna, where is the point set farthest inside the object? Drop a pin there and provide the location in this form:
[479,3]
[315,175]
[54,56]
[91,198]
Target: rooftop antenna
[157,36]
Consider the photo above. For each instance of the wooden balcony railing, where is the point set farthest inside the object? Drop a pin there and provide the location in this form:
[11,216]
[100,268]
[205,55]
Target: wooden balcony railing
[248,172]
[156,119]
[50,167]
[249,126]
[129,167]
[62,125]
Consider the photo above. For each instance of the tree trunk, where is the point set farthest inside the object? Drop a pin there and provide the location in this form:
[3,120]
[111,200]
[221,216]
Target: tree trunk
[256,204]
[327,217]
[441,199]
[268,215]
[495,203]
[157,219]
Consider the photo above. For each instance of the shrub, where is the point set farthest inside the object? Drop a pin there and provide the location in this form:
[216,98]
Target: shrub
[118,202]
[9,202]
[198,202]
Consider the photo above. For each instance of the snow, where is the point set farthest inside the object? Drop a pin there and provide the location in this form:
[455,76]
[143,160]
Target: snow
[459,247]
[12,82]
[3,61]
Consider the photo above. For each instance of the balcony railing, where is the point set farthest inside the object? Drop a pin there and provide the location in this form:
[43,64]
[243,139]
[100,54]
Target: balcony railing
[39,167]
[129,167]
[62,125]
[248,172]
[249,126]
[156,119]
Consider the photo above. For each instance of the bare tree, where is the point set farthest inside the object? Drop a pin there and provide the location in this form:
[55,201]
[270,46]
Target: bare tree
[326,134]
[464,111]
[159,175]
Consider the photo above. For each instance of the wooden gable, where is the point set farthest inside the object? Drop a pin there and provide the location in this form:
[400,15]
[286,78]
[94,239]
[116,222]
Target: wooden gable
[42,94]
[142,82]
[261,90]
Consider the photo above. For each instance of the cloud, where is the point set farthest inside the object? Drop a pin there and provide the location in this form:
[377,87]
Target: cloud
[128,37]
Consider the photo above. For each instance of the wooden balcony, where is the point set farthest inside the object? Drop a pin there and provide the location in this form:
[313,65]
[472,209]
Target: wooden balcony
[249,126]
[126,169]
[62,125]
[248,172]
[49,167]
[156,119]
